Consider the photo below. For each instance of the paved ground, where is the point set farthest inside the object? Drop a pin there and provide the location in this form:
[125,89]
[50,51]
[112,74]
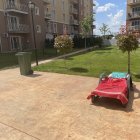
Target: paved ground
[49,106]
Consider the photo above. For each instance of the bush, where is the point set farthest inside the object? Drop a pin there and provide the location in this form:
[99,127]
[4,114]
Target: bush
[63,43]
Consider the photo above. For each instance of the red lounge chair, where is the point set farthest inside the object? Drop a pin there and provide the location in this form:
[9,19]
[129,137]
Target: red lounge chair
[118,88]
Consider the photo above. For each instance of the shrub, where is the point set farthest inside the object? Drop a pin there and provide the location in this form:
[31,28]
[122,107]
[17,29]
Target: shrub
[63,43]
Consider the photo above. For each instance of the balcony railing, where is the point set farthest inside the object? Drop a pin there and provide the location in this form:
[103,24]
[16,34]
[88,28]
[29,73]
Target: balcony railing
[18,28]
[74,22]
[16,7]
[134,28]
[48,16]
[74,1]
[73,11]
[133,15]
[47,1]
[133,2]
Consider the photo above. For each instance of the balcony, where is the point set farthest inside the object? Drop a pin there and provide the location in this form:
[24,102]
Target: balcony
[48,16]
[74,22]
[74,1]
[18,28]
[47,1]
[16,7]
[74,11]
[133,15]
[134,28]
[133,2]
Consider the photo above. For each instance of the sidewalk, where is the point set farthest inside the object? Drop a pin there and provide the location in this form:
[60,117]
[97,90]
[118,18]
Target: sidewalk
[51,106]
[62,56]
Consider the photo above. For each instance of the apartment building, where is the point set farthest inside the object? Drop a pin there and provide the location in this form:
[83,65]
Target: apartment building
[133,17]
[51,18]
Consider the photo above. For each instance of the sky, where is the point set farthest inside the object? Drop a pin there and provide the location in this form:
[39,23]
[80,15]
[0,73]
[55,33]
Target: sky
[110,12]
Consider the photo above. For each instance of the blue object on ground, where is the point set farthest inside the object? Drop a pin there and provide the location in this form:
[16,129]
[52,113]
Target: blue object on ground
[118,75]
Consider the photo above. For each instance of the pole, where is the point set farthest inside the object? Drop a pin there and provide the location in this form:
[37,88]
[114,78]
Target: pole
[34,38]
[128,62]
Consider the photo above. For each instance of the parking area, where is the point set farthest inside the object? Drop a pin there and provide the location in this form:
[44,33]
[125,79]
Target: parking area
[50,106]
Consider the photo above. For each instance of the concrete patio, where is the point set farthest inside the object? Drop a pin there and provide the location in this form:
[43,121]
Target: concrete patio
[50,106]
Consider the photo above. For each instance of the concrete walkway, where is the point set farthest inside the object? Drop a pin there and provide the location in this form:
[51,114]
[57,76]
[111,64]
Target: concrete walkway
[62,56]
[50,106]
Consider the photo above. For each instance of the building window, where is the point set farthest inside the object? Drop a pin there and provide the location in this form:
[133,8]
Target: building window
[136,22]
[36,10]
[55,28]
[136,9]
[49,27]
[11,2]
[53,14]
[64,17]
[15,42]
[65,29]
[53,3]
[38,28]
[63,5]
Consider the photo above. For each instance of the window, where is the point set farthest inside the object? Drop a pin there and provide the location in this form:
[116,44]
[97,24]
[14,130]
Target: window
[53,14]
[36,11]
[136,9]
[15,42]
[64,17]
[63,5]
[13,22]
[65,29]
[38,28]
[55,28]
[53,3]
[11,2]
[49,27]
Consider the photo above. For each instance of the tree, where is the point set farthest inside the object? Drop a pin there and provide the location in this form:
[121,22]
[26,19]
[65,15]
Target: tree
[86,26]
[104,29]
[127,43]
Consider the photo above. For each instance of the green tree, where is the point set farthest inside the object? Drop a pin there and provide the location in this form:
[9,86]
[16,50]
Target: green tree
[127,43]
[104,29]
[86,26]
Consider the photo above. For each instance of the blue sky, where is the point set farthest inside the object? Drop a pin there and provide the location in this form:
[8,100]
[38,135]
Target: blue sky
[110,12]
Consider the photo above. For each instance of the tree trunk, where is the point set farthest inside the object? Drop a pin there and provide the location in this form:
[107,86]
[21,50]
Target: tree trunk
[129,62]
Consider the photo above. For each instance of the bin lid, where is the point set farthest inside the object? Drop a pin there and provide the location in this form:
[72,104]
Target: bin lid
[23,53]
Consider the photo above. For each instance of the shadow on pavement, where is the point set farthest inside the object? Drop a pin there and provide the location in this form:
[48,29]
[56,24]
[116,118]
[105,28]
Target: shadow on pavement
[115,104]
[34,75]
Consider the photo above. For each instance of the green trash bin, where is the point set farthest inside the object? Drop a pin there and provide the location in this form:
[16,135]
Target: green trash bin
[24,60]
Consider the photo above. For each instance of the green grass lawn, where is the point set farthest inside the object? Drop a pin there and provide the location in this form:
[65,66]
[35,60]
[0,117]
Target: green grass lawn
[95,62]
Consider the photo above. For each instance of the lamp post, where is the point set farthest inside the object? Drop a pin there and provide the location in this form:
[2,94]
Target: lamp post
[32,8]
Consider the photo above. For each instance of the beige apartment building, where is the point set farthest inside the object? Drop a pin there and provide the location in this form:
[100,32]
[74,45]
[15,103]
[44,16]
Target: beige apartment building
[133,17]
[51,18]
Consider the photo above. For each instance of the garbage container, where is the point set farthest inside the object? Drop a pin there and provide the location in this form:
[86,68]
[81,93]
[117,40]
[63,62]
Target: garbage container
[24,60]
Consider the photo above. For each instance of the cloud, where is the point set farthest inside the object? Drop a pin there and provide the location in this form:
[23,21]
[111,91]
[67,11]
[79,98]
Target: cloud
[116,20]
[105,7]
[109,15]
[96,3]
